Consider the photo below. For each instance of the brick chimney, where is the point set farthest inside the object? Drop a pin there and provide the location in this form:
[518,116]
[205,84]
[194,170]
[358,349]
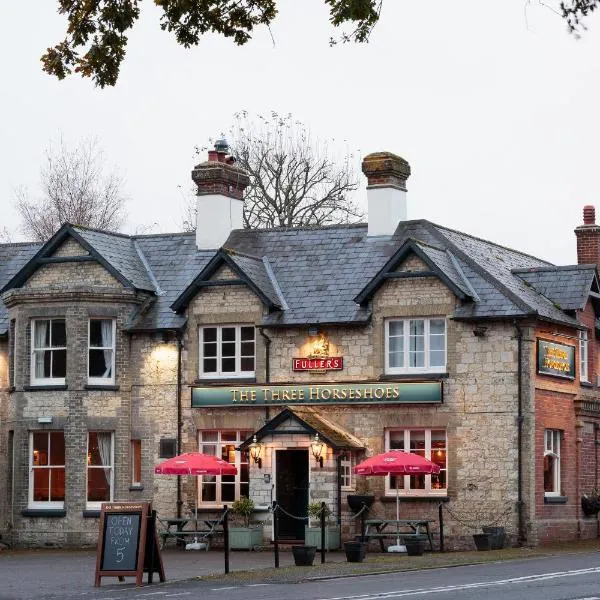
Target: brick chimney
[220,191]
[588,238]
[386,191]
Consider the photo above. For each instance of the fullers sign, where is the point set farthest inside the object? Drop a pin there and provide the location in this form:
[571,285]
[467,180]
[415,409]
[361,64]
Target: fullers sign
[331,363]
[556,359]
[338,393]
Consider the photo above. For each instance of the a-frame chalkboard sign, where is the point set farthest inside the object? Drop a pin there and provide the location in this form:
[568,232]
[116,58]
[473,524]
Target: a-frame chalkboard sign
[127,542]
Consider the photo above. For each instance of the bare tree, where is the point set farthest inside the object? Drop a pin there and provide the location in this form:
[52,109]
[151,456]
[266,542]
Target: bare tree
[294,180]
[74,188]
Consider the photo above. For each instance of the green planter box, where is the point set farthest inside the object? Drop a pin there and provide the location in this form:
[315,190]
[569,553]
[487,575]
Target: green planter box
[312,537]
[243,538]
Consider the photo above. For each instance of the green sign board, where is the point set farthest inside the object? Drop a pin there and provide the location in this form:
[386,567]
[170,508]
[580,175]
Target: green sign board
[555,359]
[335,393]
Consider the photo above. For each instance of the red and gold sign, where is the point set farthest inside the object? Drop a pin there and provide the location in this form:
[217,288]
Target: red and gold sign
[319,360]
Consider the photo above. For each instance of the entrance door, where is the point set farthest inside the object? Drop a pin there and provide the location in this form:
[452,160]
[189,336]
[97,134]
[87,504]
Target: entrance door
[292,491]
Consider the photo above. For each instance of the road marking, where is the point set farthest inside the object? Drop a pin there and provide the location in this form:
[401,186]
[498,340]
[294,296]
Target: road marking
[179,594]
[151,594]
[257,584]
[466,586]
[231,587]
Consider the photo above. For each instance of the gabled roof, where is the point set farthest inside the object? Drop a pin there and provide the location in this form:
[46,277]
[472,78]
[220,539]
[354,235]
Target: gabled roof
[568,287]
[114,252]
[311,422]
[250,270]
[439,262]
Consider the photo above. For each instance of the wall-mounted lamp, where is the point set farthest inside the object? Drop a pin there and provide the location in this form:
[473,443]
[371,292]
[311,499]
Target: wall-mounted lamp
[255,450]
[479,331]
[45,420]
[317,449]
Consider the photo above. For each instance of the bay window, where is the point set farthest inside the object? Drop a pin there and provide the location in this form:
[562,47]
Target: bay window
[46,469]
[48,352]
[552,462]
[218,489]
[227,351]
[415,345]
[429,443]
[101,351]
[100,461]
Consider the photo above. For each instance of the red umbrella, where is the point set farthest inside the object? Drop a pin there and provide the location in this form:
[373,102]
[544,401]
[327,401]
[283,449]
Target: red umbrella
[396,462]
[195,463]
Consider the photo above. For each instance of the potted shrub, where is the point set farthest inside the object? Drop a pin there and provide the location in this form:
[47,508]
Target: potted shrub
[312,532]
[590,503]
[304,555]
[245,537]
[414,547]
[498,534]
[355,551]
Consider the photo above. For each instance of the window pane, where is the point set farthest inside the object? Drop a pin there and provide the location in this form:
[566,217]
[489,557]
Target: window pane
[209,492]
[228,349]
[417,327]
[437,358]
[229,436]
[210,334]
[41,485]
[396,328]
[98,486]
[227,493]
[247,364]
[417,442]
[98,366]
[41,336]
[228,334]
[40,448]
[396,440]
[208,436]
[43,360]
[210,365]
[210,349]
[59,333]
[247,333]
[59,363]
[247,348]
[436,342]
[437,327]
[209,449]
[95,333]
[228,365]
[136,461]
[57,485]
[57,448]
[245,490]
[549,467]
[416,359]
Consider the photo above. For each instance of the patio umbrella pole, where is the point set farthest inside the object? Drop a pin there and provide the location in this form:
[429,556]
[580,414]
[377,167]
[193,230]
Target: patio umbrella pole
[398,547]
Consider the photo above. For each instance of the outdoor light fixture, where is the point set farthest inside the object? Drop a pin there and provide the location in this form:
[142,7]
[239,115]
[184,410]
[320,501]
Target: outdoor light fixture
[255,449]
[317,449]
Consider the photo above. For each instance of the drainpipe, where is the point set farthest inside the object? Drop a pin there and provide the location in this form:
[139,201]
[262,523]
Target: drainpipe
[522,538]
[268,341]
[179,420]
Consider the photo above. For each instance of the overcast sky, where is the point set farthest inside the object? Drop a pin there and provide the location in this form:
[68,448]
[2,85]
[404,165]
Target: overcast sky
[493,103]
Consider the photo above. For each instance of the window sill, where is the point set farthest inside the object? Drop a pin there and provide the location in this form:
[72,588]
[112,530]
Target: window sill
[136,488]
[45,388]
[403,499]
[586,384]
[225,380]
[556,499]
[44,512]
[98,386]
[414,376]
[91,514]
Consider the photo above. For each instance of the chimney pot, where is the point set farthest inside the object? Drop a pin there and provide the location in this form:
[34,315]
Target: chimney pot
[588,238]
[589,215]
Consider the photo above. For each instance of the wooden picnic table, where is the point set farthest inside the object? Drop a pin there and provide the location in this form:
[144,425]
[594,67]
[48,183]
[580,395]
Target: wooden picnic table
[175,528]
[380,529]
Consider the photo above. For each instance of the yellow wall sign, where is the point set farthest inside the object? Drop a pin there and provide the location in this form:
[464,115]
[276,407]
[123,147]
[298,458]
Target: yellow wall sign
[555,359]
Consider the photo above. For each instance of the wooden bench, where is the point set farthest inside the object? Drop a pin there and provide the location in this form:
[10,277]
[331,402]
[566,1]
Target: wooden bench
[392,536]
[204,537]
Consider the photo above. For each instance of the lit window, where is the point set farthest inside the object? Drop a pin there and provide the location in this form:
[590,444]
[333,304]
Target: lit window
[552,462]
[429,443]
[101,351]
[49,351]
[47,469]
[415,345]
[99,468]
[218,489]
[583,356]
[227,351]
[136,462]
[346,465]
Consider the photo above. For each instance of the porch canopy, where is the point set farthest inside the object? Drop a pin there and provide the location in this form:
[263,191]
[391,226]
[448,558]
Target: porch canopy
[305,420]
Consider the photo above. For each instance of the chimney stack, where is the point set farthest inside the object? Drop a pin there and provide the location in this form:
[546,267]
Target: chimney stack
[220,191]
[588,238]
[386,191]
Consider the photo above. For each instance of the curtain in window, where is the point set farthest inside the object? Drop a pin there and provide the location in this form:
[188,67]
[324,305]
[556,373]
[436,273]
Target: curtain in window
[106,328]
[41,329]
[104,448]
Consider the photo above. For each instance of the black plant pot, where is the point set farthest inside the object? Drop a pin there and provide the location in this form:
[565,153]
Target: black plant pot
[356,501]
[498,536]
[355,551]
[414,547]
[590,506]
[304,555]
[483,541]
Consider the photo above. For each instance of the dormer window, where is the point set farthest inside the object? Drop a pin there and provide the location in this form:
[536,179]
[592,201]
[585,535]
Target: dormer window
[49,352]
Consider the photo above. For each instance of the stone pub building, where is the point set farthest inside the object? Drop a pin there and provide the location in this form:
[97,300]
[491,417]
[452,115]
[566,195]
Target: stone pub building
[294,354]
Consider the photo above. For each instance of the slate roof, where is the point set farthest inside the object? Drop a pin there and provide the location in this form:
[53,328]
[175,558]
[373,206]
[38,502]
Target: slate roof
[307,276]
[568,287]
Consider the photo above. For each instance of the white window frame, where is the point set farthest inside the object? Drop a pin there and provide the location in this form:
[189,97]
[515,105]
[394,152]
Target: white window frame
[428,490]
[240,436]
[45,380]
[97,505]
[219,374]
[406,341]
[103,380]
[552,442]
[583,355]
[347,462]
[31,503]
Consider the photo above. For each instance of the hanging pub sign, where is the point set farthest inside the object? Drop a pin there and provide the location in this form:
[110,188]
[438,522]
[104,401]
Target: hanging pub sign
[555,359]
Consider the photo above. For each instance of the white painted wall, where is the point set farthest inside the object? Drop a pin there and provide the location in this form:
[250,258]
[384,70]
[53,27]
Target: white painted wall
[217,216]
[387,208]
